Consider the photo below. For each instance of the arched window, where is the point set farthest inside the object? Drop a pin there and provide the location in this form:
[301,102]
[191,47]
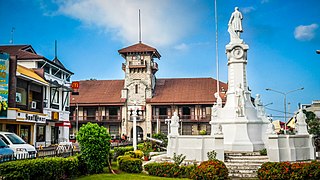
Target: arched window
[137,87]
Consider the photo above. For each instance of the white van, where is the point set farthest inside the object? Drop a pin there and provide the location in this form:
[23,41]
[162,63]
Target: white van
[18,145]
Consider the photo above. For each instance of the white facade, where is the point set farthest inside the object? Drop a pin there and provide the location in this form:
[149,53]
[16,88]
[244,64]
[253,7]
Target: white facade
[56,99]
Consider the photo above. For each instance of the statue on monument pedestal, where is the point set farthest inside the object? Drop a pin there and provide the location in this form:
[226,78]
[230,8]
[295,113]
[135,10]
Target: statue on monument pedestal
[219,100]
[174,125]
[235,25]
[240,101]
[301,125]
[259,106]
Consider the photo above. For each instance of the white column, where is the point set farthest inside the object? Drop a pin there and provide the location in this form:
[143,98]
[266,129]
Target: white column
[134,116]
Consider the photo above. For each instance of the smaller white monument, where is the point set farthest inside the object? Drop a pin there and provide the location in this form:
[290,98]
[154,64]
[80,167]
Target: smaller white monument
[301,125]
[174,125]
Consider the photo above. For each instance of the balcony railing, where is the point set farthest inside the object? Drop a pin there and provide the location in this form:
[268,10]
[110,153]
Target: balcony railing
[137,64]
[110,118]
[139,118]
[185,118]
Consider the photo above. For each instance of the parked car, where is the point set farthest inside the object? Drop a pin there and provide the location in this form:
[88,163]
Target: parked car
[6,154]
[18,145]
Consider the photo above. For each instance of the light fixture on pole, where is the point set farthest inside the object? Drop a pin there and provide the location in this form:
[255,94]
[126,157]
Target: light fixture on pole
[285,103]
[134,117]
[318,51]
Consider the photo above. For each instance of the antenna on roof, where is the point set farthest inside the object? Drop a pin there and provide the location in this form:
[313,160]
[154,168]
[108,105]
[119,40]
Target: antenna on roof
[139,27]
[12,32]
[55,49]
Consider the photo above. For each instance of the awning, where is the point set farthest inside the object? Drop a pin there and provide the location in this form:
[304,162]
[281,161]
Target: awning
[30,74]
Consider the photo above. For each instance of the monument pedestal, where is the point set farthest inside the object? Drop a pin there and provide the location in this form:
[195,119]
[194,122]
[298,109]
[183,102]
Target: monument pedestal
[242,128]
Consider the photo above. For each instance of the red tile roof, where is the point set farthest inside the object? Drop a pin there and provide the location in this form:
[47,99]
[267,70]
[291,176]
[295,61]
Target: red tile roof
[140,48]
[26,52]
[99,92]
[186,91]
[20,51]
[167,91]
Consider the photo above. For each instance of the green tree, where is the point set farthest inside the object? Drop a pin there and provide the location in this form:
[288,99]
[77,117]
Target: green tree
[95,146]
[313,123]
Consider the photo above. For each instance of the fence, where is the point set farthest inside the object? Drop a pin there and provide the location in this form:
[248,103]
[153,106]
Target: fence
[58,151]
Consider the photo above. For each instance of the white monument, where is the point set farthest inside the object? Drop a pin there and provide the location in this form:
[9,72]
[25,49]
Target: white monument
[242,128]
[301,125]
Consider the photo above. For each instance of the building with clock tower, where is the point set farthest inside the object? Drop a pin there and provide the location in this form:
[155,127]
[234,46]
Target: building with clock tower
[139,84]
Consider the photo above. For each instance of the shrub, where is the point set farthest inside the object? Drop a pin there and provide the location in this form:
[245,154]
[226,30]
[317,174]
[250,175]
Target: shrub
[47,168]
[129,164]
[120,151]
[166,169]
[95,146]
[134,154]
[211,155]
[162,137]
[203,132]
[285,170]
[210,170]
[178,159]
[263,152]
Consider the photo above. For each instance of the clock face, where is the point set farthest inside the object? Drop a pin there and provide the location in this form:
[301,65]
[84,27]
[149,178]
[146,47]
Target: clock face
[238,52]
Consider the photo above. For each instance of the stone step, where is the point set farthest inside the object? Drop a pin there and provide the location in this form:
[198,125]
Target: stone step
[247,157]
[243,171]
[242,167]
[242,153]
[246,161]
[242,175]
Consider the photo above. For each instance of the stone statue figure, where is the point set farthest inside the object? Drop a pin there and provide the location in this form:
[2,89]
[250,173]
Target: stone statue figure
[259,106]
[240,100]
[174,125]
[214,110]
[301,125]
[219,100]
[235,22]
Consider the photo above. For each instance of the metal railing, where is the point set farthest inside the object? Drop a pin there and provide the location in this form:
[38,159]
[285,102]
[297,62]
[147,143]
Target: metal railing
[110,118]
[186,118]
[59,151]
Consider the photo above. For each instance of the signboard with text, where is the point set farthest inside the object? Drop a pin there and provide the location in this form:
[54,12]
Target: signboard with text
[4,80]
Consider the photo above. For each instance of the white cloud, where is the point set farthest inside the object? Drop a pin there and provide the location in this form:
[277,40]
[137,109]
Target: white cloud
[305,33]
[264,1]
[247,10]
[181,47]
[163,22]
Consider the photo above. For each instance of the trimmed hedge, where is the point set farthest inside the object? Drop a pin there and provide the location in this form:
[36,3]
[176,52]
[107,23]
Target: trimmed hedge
[119,151]
[287,170]
[167,169]
[212,169]
[129,164]
[47,168]
[134,154]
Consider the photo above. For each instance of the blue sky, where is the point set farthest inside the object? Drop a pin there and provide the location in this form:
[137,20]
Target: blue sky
[282,35]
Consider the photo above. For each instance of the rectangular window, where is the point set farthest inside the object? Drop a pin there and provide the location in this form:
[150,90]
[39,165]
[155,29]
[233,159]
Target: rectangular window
[91,114]
[113,113]
[137,89]
[114,129]
[21,96]
[55,95]
[40,133]
[163,112]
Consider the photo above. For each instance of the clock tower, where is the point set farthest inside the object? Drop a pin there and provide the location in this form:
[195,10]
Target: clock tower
[140,69]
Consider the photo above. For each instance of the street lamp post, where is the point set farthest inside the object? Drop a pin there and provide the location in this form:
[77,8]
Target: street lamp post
[134,116]
[77,119]
[285,104]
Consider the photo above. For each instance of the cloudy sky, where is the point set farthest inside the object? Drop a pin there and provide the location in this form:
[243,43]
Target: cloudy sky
[282,35]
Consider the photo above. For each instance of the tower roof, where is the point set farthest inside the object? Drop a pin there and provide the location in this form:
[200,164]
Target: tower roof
[140,48]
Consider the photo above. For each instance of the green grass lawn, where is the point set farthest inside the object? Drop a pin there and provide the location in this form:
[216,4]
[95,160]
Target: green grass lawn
[121,176]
